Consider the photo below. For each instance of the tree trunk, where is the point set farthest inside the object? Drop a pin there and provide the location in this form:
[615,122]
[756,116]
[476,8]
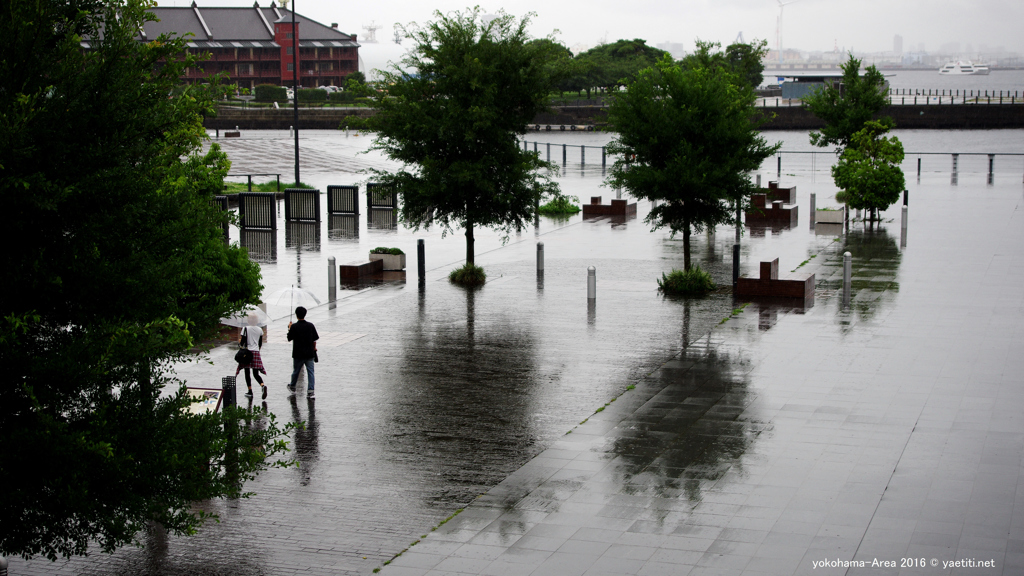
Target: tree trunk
[686,241]
[469,243]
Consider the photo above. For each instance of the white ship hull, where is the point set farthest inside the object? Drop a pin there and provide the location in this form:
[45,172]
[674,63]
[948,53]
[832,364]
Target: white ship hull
[961,68]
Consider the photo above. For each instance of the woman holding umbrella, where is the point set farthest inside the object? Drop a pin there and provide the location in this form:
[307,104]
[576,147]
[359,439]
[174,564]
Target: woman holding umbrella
[252,339]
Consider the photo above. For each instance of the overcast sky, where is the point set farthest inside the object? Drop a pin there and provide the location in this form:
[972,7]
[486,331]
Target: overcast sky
[863,25]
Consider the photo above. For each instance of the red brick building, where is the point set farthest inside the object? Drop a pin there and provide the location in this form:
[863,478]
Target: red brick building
[254,44]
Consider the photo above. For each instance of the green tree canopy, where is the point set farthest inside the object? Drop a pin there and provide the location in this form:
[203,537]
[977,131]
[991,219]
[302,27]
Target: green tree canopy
[869,171]
[686,138]
[118,267]
[610,65]
[451,114]
[847,106]
[745,61]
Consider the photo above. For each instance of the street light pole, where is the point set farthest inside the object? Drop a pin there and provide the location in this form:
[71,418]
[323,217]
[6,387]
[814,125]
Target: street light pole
[295,89]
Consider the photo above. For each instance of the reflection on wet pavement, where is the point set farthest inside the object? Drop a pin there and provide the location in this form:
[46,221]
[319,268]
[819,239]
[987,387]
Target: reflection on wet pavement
[757,438]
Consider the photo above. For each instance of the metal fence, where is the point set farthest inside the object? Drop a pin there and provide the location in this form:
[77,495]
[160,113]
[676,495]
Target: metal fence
[343,200]
[257,210]
[382,218]
[222,203]
[301,205]
[261,244]
[381,196]
[304,235]
[342,226]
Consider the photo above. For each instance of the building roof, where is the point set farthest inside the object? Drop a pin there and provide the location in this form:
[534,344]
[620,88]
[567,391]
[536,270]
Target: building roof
[227,27]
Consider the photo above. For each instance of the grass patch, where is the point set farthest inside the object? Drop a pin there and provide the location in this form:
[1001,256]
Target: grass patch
[560,206]
[468,275]
[813,256]
[236,187]
[735,312]
[692,282]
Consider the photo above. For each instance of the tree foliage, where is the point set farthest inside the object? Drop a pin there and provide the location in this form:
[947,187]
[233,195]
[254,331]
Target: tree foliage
[611,65]
[846,107]
[118,267]
[686,138]
[869,171]
[451,114]
[744,61]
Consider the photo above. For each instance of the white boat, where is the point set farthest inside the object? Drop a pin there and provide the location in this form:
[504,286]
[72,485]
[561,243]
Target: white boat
[961,68]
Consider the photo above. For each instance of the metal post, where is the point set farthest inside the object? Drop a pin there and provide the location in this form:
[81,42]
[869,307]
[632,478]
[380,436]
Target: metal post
[735,265]
[780,165]
[535,148]
[603,157]
[540,257]
[549,151]
[903,228]
[295,88]
[991,165]
[847,278]
[249,177]
[218,133]
[956,162]
[813,206]
[919,168]
[421,265]
[583,155]
[227,385]
[906,197]
[591,283]
[563,155]
[332,280]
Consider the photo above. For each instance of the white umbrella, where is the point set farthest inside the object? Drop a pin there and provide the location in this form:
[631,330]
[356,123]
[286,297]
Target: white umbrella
[250,316]
[293,297]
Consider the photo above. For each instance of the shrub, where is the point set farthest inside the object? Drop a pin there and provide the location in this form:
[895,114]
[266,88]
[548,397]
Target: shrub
[384,250]
[312,95]
[560,206]
[271,93]
[343,96]
[692,282]
[468,275]
[354,123]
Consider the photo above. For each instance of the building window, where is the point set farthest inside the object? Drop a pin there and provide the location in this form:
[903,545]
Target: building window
[291,50]
[289,36]
[291,66]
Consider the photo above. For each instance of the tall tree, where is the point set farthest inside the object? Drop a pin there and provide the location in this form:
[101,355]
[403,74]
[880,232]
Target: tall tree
[846,106]
[869,170]
[744,61]
[611,65]
[117,266]
[686,138]
[451,114]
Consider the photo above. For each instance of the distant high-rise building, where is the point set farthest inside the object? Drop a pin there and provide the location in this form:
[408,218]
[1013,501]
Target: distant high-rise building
[897,44]
[950,48]
[676,49]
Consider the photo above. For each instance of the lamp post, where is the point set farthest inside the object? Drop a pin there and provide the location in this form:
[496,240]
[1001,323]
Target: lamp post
[295,89]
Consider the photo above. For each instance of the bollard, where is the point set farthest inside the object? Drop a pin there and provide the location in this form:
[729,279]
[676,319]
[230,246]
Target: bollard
[540,257]
[591,283]
[991,165]
[332,280]
[847,278]
[813,205]
[549,151]
[3,566]
[227,386]
[780,165]
[291,131]
[603,157]
[735,265]
[421,265]
[918,168]
[956,162]
[218,132]
[535,148]
[906,197]
[563,155]
[583,155]
[739,220]
[903,228]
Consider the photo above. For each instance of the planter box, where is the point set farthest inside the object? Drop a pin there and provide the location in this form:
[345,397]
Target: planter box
[829,216]
[391,261]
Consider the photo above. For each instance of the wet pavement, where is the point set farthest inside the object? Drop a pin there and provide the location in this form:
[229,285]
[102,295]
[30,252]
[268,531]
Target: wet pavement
[754,439]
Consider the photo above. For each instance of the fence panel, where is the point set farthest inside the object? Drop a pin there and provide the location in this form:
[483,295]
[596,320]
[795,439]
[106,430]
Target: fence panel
[301,205]
[257,210]
[343,200]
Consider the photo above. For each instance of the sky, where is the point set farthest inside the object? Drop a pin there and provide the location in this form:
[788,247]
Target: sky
[815,25]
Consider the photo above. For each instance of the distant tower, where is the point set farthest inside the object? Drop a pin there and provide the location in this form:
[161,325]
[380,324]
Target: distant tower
[371,32]
[897,44]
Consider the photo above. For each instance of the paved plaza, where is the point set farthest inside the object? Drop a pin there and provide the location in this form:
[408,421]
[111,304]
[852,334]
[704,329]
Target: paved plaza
[644,435]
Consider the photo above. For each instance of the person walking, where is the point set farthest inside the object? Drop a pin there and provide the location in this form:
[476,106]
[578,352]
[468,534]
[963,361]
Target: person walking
[252,339]
[303,337]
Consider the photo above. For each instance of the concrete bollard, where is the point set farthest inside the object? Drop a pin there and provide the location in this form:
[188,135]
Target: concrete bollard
[540,256]
[291,131]
[735,265]
[903,228]
[591,283]
[421,265]
[227,386]
[847,278]
[332,279]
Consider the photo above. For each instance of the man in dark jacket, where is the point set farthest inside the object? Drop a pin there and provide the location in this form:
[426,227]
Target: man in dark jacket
[303,337]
